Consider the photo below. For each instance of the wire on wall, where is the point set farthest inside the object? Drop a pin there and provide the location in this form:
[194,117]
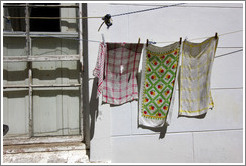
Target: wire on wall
[158,42]
[72,38]
[145,10]
[204,37]
[116,15]
[228,53]
[188,6]
[128,13]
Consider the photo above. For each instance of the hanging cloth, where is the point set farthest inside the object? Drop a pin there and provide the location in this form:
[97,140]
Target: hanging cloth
[197,61]
[121,67]
[158,78]
[99,69]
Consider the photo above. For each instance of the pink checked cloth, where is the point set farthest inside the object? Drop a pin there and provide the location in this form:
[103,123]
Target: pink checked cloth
[99,69]
[121,67]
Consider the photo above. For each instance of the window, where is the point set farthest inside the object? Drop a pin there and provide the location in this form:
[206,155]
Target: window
[45,25]
[42,73]
[36,25]
[14,24]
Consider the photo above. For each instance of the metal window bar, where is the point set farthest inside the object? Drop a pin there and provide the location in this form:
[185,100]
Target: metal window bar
[34,5]
[29,59]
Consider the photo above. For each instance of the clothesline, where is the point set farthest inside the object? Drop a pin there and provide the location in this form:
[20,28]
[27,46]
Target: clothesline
[228,53]
[72,38]
[115,15]
[168,41]
[204,37]
[152,42]
[139,11]
[188,6]
[160,6]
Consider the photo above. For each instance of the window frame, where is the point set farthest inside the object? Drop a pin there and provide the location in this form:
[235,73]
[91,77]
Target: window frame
[29,59]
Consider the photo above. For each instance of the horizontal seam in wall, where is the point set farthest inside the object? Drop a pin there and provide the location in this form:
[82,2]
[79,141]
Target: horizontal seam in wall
[241,88]
[181,132]
[204,131]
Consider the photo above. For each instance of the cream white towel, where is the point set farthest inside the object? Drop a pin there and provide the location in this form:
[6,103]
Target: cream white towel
[197,61]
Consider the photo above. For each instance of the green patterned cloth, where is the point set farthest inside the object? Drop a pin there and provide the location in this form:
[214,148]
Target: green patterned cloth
[157,84]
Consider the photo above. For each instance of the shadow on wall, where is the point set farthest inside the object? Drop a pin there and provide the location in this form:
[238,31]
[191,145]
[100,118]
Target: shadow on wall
[94,106]
[162,130]
[94,102]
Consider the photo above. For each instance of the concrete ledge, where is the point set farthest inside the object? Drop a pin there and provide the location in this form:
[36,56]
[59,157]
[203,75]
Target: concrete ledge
[65,149]
[75,156]
[51,147]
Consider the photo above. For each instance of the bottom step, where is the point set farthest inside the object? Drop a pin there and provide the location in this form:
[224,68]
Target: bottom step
[63,149]
[72,156]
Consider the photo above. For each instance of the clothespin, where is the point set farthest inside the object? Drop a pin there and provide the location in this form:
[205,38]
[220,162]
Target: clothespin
[107,20]
[216,35]
[147,42]
[103,39]
[138,40]
[180,40]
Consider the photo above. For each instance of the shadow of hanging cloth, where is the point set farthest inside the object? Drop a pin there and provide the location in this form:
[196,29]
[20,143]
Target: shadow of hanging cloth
[162,130]
[197,117]
[5,129]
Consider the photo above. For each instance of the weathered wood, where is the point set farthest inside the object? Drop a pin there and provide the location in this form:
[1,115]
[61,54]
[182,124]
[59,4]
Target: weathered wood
[81,120]
[41,34]
[86,103]
[30,100]
[43,58]
[15,59]
[47,6]
[40,86]
[41,140]
[29,67]
[64,72]
[54,58]
[15,86]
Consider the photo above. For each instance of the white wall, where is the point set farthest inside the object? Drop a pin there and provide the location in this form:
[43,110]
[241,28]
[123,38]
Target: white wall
[216,138]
